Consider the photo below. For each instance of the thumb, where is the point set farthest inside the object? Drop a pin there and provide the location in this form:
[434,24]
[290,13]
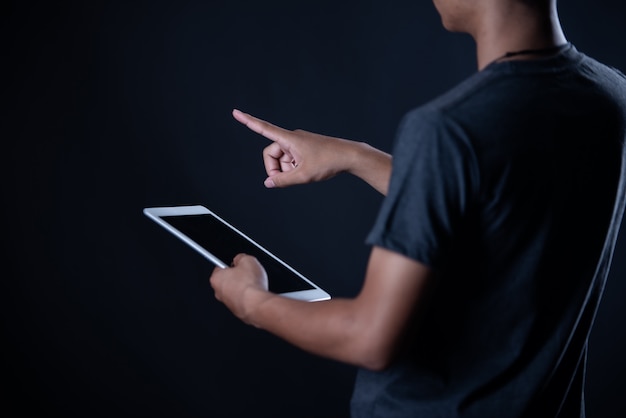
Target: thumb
[237,259]
[284,179]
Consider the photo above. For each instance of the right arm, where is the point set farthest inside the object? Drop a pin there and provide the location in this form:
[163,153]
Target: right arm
[299,157]
[368,331]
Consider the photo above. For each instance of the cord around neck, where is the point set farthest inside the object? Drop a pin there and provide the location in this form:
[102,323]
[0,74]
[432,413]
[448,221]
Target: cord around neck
[539,51]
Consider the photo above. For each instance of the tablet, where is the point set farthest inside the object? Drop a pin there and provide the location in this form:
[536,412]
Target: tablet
[219,242]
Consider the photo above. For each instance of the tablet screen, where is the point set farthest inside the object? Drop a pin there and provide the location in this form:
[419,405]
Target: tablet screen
[225,243]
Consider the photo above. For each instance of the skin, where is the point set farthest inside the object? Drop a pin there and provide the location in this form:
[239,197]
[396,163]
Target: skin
[501,26]
[368,330]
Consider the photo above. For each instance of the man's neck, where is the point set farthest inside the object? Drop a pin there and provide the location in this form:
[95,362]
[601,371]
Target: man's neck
[516,28]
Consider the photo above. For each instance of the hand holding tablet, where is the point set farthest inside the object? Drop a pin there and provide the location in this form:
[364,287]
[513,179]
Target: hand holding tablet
[220,242]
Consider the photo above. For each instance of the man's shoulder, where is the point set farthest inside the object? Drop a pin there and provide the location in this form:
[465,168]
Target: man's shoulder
[513,82]
[603,70]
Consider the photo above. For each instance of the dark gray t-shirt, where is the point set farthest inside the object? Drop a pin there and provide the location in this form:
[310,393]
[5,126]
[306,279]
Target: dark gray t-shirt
[511,187]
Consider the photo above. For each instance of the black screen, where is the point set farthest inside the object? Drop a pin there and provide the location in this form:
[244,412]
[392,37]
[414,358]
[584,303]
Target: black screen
[225,243]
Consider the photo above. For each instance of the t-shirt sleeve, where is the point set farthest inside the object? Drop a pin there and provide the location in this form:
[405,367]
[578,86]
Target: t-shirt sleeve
[430,192]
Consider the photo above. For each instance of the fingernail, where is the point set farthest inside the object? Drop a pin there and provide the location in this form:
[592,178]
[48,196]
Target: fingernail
[269,183]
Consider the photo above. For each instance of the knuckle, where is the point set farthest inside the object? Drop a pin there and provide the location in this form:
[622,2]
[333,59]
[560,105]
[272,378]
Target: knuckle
[273,150]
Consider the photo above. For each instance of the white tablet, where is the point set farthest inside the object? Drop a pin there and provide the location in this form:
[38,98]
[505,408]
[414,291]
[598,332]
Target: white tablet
[219,242]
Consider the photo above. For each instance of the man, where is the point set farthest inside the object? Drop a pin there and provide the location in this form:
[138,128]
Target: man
[493,243]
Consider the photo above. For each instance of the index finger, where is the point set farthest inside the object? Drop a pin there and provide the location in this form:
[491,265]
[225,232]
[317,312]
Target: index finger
[271,132]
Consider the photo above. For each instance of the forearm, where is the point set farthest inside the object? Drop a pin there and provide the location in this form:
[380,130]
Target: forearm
[300,157]
[369,164]
[334,329]
[364,331]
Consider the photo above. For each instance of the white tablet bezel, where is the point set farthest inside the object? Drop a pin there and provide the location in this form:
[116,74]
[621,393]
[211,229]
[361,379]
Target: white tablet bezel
[156,214]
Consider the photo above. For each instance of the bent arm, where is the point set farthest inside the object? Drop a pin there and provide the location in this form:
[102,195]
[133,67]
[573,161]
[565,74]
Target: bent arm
[299,157]
[365,331]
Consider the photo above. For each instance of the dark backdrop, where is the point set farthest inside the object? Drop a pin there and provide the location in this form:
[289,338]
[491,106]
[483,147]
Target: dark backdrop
[113,106]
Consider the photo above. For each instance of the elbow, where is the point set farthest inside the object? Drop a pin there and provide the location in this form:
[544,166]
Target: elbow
[375,356]
[369,346]
[375,364]
[370,343]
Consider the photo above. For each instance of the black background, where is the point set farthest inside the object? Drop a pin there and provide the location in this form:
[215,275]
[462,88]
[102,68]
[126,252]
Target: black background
[110,107]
